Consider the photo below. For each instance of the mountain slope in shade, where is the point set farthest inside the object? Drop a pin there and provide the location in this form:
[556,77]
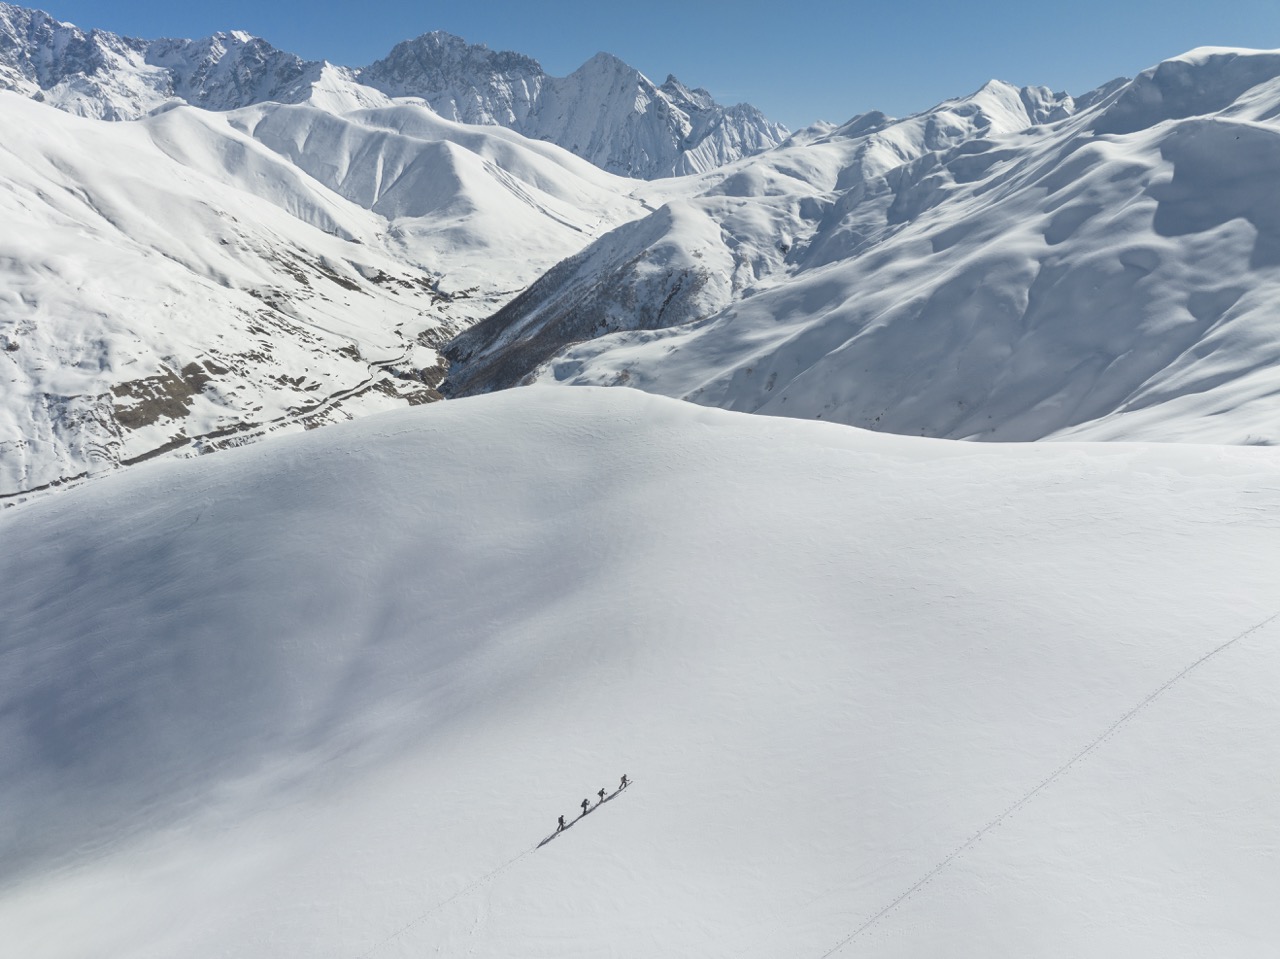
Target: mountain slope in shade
[730,233]
[1107,274]
[879,696]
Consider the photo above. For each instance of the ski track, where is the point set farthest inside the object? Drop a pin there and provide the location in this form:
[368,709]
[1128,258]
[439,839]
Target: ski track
[487,877]
[1050,779]
[476,884]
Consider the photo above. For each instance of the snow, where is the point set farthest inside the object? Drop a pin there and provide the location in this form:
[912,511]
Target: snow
[879,694]
[606,111]
[721,237]
[1008,266]
[325,695]
[297,258]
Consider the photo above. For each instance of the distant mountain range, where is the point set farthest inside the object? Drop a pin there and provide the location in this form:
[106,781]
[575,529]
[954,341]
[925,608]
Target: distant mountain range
[606,112]
[273,244]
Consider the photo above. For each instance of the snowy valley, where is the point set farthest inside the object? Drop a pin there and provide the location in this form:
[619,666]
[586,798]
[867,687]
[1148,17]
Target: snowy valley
[1004,267]
[393,456]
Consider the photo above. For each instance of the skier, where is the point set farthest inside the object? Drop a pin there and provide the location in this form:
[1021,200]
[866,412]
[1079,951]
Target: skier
[561,824]
[601,795]
[586,803]
[625,782]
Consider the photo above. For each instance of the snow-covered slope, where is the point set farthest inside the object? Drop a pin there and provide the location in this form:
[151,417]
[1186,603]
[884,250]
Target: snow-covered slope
[197,279]
[880,696]
[728,233]
[1107,274]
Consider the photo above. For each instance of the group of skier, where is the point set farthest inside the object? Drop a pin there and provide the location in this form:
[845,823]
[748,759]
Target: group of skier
[586,803]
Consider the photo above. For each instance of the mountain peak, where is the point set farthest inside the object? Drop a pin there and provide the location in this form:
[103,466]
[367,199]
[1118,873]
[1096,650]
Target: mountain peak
[608,61]
[430,61]
[607,111]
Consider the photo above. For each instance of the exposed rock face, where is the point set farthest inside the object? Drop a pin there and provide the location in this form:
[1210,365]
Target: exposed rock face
[96,73]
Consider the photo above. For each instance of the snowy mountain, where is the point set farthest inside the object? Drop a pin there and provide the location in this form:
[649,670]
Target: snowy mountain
[1010,266]
[727,234]
[196,280]
[606,111]
[98,74]
[1015,264]
[879,696]
[323,696]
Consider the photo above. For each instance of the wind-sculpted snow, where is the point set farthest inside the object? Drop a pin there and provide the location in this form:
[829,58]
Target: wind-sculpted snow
[197,280]
[404,161]
[1205,81]
[879,696]
[968,273]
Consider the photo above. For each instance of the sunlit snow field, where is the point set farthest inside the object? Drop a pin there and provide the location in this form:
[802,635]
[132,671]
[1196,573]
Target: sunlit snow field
[324,696]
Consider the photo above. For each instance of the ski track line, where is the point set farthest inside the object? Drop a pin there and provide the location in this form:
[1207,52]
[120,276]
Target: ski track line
[1052,777]
[476,884]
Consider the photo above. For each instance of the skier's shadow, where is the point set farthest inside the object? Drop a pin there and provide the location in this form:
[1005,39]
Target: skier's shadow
[590,809]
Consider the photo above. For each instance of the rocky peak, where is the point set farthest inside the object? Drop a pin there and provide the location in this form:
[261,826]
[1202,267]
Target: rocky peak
[230,70]
[429,64]
[606,111]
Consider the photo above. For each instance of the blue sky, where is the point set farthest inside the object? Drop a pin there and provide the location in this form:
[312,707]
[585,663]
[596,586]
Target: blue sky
[798,61]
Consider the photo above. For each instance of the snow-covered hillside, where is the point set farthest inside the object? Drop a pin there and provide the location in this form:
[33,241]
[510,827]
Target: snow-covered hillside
[607,112]
[1009,266]
[725,235]
[879,696]
[198,279]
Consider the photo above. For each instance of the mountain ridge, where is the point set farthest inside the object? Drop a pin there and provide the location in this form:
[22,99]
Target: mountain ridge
[674,130]
[965,273]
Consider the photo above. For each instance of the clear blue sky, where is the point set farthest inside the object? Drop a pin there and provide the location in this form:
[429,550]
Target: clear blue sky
[798,61]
